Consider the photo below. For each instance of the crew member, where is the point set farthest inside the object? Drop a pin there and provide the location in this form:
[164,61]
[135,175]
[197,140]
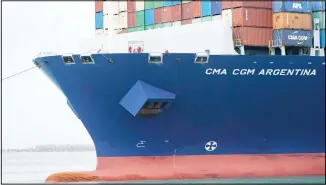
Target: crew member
[139,49]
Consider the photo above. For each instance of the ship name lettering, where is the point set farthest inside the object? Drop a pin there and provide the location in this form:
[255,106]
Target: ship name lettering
[211,71]
[263,72]
[243,72]
[288,72]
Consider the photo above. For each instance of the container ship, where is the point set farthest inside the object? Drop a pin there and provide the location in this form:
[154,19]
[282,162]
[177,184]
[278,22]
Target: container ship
[199,90]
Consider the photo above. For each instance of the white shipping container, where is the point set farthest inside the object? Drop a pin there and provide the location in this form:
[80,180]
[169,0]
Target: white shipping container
[107,7]
[106,22]
[216,17]
[176,23]
[123,20]
[176,39]
[107,32]
[140,5]
[122,6]
[114,7]
[99,31]
[227,15]
[196,20]
[116,21]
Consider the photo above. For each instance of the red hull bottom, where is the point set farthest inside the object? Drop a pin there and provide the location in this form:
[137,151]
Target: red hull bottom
[198,167]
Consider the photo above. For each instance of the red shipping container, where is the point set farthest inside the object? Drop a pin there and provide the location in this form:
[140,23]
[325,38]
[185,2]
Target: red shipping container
[188,21]
[158,15]
[176,13]
[255,17]
[251,36]
[131,6]
[99,6]
[196,8]
[252,4]
[186,11]
[131,19]
[226,4]
[167,14]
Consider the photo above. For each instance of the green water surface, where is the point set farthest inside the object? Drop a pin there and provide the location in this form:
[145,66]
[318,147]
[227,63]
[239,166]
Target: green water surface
[291,180]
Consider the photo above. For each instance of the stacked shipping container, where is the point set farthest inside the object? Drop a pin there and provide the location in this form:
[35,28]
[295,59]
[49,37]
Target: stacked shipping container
[251,21]
[99,17]
[145,15]
[318,12]
[120,15]
[291,23]
[200,11]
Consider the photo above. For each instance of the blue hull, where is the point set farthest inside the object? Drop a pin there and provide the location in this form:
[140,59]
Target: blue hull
[242,114]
